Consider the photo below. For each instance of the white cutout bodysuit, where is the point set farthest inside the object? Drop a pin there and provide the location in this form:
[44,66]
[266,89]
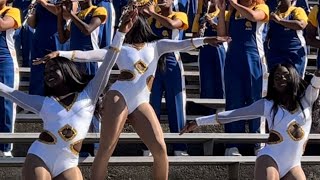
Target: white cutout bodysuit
[139,64]
[290,129]
[60,155]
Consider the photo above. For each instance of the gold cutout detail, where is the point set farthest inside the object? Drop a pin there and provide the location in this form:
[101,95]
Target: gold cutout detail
[126,75]
[117,50]
[277,134]
[74,150]
[67,107]
[64,130]
[294,127]
[150,80]
[138,46]
[141,66]
[51,135]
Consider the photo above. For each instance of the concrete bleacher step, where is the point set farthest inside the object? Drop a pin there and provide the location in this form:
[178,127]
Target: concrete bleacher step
[189,167]
[200,138]
[173,160]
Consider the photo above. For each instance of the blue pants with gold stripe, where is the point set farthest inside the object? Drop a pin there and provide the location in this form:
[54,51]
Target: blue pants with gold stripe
[211,63]
[169,81]
[243,86]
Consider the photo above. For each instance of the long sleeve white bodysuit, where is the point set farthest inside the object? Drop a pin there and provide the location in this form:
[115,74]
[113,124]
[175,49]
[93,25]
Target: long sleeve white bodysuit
[60,155]
[288,132]
[137,66]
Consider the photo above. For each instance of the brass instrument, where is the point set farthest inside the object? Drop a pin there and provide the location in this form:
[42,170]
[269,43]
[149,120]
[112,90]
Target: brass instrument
[204,26]
[277,7]
[129,7]
[31,10]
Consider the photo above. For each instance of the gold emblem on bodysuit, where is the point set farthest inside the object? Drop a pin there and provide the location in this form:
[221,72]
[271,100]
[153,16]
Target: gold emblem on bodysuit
[295,131]
[67,132]
[141,66]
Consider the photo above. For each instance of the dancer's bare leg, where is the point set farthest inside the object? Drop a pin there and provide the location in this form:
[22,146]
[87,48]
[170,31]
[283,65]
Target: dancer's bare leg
[34,168]
[114,116]
[146,124]
[295,173]
[70,174]
[266,169]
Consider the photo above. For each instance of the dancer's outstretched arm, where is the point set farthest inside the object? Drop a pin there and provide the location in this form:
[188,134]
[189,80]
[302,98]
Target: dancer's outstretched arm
[100,80]
[255,110]
[28,102]
[97,55]
[167,45]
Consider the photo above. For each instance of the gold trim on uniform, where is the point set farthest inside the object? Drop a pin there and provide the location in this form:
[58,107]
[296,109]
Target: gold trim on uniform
[51,135]
[73,150]
[117,50]
[73,55]
[67,107]
[126,75]
[141,66]
[192,43]
[150,82]
[142,2]
[67,127]
[271,141]
[294,127]
[158,25]
[217,120]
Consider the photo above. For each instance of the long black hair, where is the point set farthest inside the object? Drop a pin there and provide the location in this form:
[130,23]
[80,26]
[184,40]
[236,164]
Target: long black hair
[295,89]
[75,79]
[141,32]
[72,77]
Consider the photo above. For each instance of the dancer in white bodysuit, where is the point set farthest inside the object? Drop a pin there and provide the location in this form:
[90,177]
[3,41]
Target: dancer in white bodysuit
[66,112]
[287,108]
[128,97]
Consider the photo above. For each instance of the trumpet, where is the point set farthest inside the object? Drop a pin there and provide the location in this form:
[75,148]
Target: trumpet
[31,10]
[129,7]
[204,26]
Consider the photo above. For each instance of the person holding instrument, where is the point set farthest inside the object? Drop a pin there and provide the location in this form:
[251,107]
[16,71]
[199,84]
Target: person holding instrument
[45,40]
[245,70]
[211,59]
[287,108]
[66,111]
[9,70]
[128,97]
[285,37]
[83,30]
